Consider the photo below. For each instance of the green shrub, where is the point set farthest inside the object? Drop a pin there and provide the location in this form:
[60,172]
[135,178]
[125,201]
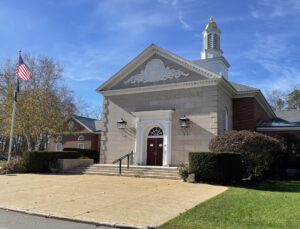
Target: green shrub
[208,166]
[258,151]
[38,161]
[90,153]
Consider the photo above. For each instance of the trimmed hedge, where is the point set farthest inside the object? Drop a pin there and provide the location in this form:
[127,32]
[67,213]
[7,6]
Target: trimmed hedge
[222,167]
[38,161]
[90,153]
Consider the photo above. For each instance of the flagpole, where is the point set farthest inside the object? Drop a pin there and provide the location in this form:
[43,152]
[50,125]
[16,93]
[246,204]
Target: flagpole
[13,117]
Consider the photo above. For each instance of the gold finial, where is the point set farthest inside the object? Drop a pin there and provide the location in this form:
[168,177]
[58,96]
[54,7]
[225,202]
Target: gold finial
[211,19]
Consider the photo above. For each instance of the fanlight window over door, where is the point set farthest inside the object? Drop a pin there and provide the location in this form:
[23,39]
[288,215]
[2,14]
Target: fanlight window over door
[156,131]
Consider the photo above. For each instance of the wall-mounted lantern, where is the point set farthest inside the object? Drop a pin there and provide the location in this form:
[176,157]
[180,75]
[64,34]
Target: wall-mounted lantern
[121,124]
[184,124]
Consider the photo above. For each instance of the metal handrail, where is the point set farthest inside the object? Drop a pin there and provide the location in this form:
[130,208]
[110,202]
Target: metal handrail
[120,161]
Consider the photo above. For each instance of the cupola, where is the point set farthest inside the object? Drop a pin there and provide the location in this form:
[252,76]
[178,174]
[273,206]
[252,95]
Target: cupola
[212,55]
[211,40]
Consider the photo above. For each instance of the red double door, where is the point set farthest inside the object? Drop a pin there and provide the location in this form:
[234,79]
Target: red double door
[155,151]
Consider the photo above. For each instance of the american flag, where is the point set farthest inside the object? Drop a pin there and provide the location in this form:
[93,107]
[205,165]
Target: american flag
[22,71]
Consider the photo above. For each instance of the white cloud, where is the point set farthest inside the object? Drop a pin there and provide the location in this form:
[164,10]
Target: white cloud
[177,7]
[185,25]
[273,53]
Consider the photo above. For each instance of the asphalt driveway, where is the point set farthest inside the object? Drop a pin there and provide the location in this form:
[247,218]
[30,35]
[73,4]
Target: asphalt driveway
[15,220]
[108,200]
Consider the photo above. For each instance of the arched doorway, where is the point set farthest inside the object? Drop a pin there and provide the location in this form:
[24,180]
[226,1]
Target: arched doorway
[155,144]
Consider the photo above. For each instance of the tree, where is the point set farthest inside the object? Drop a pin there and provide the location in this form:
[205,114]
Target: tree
[280,104]
[293,99]
[44,103]
[276,99]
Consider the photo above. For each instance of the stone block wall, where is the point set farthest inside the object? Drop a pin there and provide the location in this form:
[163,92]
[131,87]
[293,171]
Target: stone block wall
[200,105]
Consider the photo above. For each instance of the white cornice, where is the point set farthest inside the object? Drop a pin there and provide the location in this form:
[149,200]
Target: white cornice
[162,87]
[228,86]
[147,53]
[127,68]
[186,63]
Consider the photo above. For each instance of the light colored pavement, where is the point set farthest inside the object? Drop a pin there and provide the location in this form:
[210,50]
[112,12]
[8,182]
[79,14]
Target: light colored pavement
[15,220]
[103,199]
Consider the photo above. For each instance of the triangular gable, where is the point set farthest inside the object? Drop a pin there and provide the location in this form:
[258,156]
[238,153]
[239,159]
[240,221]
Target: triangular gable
[92,125]
[156,66]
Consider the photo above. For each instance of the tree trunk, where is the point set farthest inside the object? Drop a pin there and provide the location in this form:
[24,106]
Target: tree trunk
[28,140]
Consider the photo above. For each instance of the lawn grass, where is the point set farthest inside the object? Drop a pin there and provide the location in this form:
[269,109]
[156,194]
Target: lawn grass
[271,204]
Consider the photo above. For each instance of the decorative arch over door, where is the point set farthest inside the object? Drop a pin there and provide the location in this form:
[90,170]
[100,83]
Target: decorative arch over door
[156,132]
[155,144]
[145,122]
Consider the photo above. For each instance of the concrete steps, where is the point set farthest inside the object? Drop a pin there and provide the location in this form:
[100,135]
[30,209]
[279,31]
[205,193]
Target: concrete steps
[133,171]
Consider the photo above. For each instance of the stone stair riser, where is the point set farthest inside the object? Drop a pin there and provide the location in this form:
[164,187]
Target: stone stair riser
[133,171]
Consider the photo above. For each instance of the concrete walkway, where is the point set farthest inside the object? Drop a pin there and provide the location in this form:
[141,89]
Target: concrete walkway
[107,200]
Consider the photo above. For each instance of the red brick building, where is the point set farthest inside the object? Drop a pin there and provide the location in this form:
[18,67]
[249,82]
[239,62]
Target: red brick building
[84,133]
[286,123]
[250,114]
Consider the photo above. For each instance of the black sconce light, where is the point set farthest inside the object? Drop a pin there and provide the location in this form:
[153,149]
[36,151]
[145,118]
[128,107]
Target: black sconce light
[121,124]
[184,124]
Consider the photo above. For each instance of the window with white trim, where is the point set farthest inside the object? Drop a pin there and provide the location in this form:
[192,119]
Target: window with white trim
[59,139]
[81,138]
[58,146]
[80,145]
[156,131]
[225,120]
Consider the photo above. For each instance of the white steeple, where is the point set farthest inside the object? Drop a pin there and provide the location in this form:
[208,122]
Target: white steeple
[211,40]
[212,55]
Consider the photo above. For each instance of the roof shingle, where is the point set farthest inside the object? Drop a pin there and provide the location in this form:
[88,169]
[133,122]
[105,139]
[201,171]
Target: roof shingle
[93,125]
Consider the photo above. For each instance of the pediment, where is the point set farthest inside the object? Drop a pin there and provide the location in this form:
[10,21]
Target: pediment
[156,66]
[157,70]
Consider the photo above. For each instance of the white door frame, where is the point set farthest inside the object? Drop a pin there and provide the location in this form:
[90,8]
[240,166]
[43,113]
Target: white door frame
[145,121]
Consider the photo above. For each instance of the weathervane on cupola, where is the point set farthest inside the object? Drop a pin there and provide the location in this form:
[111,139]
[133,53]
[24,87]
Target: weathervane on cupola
[212,54]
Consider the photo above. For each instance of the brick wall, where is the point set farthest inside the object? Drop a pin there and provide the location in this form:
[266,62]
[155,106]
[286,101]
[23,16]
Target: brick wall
[70,140]
[246,113]
[91,141]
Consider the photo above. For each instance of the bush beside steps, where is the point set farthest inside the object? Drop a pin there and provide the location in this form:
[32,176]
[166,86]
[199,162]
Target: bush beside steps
[218,167]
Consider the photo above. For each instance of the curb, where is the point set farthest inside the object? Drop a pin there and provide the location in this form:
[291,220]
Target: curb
[96,223]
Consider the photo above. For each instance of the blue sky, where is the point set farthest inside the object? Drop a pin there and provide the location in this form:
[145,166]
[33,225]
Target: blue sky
[93,39]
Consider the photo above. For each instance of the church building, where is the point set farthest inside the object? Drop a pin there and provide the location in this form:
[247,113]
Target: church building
[162,106]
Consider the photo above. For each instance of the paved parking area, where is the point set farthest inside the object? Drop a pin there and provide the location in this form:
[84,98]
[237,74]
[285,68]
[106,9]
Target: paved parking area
[103,199]
[15,220]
